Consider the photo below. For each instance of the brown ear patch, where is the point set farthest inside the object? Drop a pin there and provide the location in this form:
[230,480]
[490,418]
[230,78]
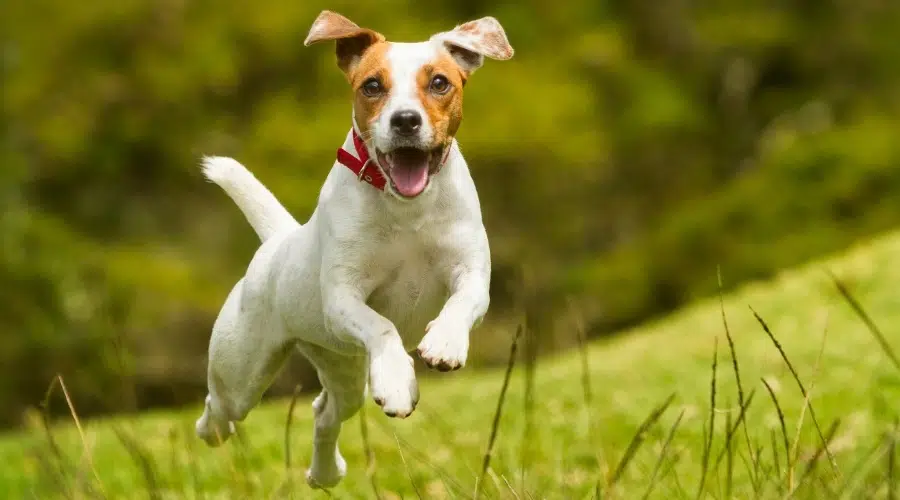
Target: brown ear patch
[351,40]
[330,26]
[444,110]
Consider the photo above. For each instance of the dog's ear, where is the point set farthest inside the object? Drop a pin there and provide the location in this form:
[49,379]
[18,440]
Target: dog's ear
[471,42]
[351,40]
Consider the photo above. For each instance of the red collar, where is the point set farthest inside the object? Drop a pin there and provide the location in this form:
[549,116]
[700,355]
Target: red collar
[364,167]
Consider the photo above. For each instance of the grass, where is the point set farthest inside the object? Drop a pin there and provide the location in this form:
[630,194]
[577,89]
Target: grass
[629,417]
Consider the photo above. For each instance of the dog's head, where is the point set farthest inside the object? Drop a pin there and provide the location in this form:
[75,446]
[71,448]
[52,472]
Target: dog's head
[408,96]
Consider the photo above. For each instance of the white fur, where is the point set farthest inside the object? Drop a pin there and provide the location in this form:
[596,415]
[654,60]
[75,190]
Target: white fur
[352,289]
[262,209]
[404,60]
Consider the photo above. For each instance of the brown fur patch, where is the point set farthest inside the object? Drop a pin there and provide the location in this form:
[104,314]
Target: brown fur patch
[331,26]
[444,110]
[373,63]
[350,40]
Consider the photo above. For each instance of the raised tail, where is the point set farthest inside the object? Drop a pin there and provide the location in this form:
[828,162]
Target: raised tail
[259,205]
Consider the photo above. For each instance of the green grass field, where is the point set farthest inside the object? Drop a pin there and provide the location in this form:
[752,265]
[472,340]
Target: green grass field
[564,445]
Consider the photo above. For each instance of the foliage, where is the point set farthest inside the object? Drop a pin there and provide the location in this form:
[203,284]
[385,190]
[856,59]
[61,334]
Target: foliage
[811,195]
[626,149]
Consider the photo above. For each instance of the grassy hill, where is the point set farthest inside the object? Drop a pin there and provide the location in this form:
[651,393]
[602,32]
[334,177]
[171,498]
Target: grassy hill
[619,128]
[561,446]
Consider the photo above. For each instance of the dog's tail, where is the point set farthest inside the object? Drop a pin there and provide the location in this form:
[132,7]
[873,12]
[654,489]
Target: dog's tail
[259,205]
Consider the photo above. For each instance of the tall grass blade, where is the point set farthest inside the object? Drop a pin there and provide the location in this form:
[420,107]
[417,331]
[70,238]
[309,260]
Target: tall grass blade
[60,460]
[192,464]
[864,316]
[406,466]
[813,461]
[586,385]
[54,476]
[143,460]
[776,462]
[495,425]
[370,454]
[737,375]
[662,455]
[728,450]
[731,430]
[803,390]
[638,439]
[707,446]
[287,429]
[784,434]
[85,447]
[532,324]
[512,491]
[449,480]
[857,474]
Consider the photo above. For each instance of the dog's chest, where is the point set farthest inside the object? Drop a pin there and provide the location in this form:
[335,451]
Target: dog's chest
[409,289]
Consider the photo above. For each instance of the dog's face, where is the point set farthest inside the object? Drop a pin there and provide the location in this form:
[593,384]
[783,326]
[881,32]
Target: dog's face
[408,97]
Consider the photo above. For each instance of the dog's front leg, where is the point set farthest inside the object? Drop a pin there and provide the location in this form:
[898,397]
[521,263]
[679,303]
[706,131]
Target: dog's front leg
[445,346]
[392,380]
[465,259]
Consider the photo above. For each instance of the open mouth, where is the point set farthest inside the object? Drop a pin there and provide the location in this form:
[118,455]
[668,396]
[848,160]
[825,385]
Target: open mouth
[409,168]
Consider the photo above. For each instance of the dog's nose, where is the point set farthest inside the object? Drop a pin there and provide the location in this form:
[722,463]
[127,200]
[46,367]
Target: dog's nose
[406,122]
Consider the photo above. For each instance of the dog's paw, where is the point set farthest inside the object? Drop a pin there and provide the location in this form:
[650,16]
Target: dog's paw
[213,428]
[392,381]
[326,475]
[445,346]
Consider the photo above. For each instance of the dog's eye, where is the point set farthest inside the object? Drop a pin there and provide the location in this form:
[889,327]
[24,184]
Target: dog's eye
[440,84]
[372,87]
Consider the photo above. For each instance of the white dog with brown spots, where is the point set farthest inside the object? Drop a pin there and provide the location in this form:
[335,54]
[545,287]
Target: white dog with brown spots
[395,247]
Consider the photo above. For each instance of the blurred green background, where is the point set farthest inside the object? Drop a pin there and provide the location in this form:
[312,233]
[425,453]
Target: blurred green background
[627,150]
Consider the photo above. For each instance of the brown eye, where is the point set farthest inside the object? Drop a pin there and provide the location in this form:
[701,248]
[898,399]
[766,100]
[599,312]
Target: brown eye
[440,84]
[372,87]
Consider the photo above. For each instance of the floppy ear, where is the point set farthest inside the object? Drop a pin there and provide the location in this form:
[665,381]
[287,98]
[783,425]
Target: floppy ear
[471,42]
[351,40]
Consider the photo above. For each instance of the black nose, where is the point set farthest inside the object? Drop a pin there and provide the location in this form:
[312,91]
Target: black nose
[406,122]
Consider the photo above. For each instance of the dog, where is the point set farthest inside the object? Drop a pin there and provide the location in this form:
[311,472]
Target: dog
[395,247]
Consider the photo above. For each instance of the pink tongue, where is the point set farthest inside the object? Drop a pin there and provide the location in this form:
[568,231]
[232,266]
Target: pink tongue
[410,180]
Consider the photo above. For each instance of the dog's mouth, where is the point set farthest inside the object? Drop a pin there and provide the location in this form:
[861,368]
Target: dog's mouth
[409,168]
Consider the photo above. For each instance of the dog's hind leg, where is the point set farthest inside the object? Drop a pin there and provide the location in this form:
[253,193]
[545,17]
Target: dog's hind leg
[343,381]
[245,353]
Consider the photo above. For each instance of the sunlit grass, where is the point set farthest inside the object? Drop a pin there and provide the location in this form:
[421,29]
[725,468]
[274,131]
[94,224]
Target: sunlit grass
[584,435]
